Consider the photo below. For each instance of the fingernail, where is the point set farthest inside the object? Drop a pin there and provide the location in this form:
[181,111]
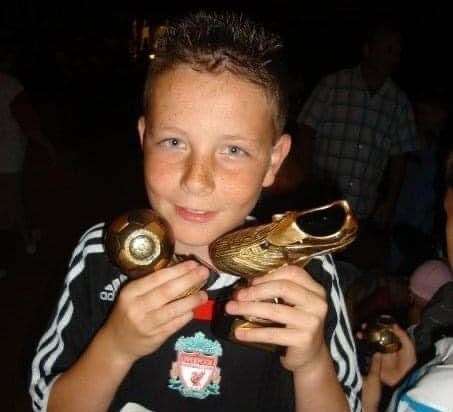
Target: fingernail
[231,307]
[239,333]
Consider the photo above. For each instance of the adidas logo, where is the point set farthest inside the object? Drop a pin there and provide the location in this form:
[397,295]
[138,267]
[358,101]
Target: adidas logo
[109,292]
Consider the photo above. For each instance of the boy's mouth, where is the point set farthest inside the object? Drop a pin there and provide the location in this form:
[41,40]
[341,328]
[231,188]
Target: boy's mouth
[194,215]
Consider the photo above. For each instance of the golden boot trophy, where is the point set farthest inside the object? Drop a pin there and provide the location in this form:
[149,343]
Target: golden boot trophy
[292,238]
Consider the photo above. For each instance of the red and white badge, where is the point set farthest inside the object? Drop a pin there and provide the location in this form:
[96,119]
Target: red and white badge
[195,373]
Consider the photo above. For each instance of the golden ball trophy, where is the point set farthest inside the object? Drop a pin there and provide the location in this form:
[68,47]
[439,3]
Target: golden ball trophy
[380,336]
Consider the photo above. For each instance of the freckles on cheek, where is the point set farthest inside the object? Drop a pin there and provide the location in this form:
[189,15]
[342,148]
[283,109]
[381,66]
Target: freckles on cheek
[157,177]
[241,190]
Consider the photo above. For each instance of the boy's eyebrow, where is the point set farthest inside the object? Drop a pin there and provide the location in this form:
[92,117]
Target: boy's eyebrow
[238,137]
[172,129]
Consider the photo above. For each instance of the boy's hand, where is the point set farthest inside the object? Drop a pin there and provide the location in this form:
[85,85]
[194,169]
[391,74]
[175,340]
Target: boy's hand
[303,314]
[147,313]
[395,366]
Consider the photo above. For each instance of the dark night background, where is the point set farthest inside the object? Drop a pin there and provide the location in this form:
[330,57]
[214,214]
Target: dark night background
[73,61]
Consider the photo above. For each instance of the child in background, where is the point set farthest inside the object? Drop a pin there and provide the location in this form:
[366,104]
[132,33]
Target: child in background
[212,138]
[428,386]
[423,284]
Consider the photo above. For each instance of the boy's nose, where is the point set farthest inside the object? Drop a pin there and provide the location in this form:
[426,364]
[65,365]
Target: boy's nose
[198,176]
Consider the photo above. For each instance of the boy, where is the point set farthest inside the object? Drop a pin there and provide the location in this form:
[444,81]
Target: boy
[212,137]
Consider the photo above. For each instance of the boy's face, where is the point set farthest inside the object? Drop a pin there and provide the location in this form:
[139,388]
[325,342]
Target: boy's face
[208,151]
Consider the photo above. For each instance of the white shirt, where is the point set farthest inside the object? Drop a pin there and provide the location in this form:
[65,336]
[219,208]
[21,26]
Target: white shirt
[429,388]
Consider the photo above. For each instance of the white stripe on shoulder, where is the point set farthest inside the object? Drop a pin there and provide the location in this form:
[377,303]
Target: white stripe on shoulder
[51,344]
[91,229]
[96,232]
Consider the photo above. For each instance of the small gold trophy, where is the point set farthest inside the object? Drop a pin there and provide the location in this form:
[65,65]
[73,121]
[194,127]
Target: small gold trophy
[291,238]
[381,337]
[140,242]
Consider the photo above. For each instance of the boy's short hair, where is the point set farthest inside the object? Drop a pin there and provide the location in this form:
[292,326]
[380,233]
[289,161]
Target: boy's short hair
[216,42]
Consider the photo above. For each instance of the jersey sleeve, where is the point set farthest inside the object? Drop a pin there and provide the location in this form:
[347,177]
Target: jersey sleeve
[71,326]
[338,334]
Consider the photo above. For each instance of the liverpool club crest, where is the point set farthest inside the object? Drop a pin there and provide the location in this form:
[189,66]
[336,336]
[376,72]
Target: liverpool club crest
[195,373]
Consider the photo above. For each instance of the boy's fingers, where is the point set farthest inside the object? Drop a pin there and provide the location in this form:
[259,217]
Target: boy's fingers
[402,335]
[172,289]
[277,336]
[149,282]
[166,330]
[175,309]
[283,314]
[295,274]
[291,293]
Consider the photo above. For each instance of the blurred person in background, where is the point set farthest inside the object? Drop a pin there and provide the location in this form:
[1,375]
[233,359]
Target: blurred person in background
[356,124]
[18,124]
[414,232]
[424,385]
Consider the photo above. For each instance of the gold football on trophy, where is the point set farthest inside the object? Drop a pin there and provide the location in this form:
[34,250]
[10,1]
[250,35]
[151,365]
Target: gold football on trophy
[139,242]
[381,336]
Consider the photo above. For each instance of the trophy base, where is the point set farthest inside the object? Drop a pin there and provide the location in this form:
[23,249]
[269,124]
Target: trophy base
[224,326]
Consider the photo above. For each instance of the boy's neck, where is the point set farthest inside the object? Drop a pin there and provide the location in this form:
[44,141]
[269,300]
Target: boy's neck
[201,252]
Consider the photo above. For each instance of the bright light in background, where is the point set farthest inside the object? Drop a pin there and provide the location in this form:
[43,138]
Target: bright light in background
[152,56]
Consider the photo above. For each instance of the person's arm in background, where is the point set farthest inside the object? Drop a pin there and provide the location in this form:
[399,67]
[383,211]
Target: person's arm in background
[23,111]
[397,171]
[405,141]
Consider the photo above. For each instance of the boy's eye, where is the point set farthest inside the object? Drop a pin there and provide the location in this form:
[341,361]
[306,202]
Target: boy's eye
[172,142]
[234,151]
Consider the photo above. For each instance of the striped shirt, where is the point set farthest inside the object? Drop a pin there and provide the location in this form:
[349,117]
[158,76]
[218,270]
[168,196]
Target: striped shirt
[356,133]
[428,388]
[252,379]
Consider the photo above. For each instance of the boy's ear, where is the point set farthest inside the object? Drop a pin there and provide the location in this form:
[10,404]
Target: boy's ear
[141,129]
[279,152]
